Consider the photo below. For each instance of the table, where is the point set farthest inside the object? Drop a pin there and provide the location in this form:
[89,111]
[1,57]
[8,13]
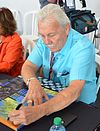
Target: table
[88,117]
[4,76]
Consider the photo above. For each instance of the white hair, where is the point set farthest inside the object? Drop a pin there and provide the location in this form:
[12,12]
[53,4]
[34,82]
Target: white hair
[53,11]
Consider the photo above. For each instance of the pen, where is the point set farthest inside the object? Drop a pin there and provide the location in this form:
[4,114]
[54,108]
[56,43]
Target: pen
[17,108]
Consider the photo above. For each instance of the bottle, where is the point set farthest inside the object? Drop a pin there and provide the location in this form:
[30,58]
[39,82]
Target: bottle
[57,125]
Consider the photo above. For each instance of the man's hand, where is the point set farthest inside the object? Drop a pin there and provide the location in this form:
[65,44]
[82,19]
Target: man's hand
[26,115]
[35,93]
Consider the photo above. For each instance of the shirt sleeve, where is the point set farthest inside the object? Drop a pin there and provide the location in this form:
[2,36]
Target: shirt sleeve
[36,55]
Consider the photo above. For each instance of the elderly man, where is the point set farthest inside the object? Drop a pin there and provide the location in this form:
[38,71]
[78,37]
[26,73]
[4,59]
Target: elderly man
[73,66]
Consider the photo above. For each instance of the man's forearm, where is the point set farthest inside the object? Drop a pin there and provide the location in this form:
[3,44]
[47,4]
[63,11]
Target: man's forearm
[57,103]
[62,99]
[28,71]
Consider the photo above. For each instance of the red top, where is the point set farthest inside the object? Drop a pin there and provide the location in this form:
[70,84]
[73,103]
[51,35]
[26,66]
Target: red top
[11,55]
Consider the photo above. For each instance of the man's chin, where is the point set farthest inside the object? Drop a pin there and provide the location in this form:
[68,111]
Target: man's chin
[53,50]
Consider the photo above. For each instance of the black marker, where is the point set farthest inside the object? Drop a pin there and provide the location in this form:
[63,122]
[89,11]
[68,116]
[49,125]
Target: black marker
[17,108]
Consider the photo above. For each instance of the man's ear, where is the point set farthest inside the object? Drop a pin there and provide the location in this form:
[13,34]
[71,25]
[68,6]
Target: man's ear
[67,28]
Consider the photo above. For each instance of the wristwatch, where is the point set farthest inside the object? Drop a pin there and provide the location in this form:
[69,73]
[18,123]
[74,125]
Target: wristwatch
[28,80]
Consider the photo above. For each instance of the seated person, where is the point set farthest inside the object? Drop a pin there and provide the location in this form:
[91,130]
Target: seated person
[45,2]
[11,49]
[73,65]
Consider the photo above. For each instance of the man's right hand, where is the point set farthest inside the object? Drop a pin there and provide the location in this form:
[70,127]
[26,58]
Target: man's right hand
[35,93]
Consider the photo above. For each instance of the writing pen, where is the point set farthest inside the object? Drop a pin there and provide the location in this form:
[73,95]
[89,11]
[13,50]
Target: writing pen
[17,108]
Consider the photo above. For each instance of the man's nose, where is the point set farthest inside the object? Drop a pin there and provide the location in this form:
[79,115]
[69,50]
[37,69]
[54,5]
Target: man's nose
[47,40]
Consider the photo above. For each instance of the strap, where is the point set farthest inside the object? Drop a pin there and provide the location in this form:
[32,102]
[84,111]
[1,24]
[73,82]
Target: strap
[87,22]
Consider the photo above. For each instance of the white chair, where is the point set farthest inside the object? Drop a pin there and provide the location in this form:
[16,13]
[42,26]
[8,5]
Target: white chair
[30,29]
[96,41]
[29,44]
[18,17]
[97,59]
[96,38]
[90,35]
[30,23]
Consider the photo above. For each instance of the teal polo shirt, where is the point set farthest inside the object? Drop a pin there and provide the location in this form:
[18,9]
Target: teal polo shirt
[75,61]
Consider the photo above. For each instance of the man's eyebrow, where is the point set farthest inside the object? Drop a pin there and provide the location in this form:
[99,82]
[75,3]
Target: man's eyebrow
[52,33]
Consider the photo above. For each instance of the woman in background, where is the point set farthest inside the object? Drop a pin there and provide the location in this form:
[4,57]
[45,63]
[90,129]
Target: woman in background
[11,49]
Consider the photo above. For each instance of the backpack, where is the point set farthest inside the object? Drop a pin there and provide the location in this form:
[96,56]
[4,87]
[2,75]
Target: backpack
[82,21]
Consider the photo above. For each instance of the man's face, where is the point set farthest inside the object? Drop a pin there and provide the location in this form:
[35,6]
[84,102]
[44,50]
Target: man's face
[53,34]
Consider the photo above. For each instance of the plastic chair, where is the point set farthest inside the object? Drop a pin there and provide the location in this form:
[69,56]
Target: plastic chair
[29,44]
[30,29]
[96,38]
[97,59]
[18,17]
[30,23]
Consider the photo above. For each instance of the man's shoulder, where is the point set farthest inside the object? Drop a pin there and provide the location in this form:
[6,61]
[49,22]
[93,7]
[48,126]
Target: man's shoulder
[76,34]
[80,39]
